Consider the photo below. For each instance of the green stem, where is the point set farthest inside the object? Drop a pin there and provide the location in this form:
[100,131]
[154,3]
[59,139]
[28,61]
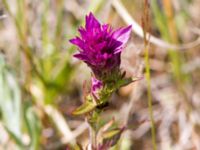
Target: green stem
[92,135]
[93,122]
[146,28]
[148,78]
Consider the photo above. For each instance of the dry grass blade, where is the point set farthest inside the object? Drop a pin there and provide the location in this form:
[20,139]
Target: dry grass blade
[78,131]
[62,125]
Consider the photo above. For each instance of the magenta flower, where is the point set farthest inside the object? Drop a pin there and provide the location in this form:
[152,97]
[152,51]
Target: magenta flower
[96,87]
[96,84]
[100,46]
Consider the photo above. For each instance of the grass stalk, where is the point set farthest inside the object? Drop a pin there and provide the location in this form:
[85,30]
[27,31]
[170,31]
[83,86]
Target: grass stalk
[146,28]
[148,78]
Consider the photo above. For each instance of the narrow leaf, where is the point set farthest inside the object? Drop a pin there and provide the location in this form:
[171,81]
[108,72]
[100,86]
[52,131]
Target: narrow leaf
[10,102]
[86,107]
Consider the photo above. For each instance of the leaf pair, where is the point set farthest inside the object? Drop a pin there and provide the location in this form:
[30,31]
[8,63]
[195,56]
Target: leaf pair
[108,135]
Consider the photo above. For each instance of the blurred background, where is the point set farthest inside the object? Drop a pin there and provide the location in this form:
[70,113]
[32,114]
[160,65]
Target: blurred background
[41,83]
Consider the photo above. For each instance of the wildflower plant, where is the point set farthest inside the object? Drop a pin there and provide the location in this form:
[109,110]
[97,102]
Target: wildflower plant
[100,48]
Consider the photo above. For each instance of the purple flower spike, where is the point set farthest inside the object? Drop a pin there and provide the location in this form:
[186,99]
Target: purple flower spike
[100,46]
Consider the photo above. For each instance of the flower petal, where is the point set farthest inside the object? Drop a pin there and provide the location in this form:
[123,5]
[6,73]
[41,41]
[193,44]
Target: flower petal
[122,34]
[91,22]
[81,57]
[114,45]
[98,47]
[80,43]
[83,32]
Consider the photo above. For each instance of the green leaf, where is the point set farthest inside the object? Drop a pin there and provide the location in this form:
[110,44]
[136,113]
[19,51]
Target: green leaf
[10,102]
[86,107]
[33,125]
[74,147]
[124,82]
[112,136]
